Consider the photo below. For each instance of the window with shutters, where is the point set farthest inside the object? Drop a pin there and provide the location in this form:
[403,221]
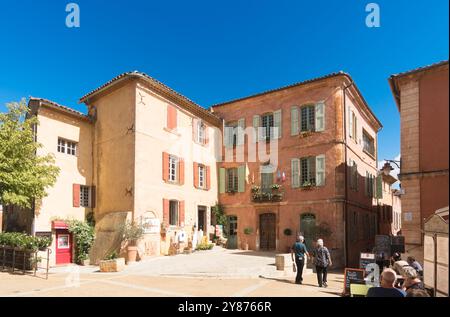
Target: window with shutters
[201,176]
[354,127]
[67,147]
[232,180]
[307,118]
[369,185]
[267,123]
[368,144]
[308,171]
[85,196]
[173,213]
[173,168]
[231,134]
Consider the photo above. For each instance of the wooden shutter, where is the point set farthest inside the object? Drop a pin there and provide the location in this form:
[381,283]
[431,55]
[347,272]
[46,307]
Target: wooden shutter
[320,117]
[208,178]
[379,187]
[256,121]
[241,179]
[241,132]
[181,171]
[165,166]
[93,196]
[350,123]
[171,117]
[76,195]
[278,124]
[181,216]
[295,173]
[222,181]
[228,137]
[196,181]
[195,129]
[294,121]
[206,135]
[166,211]
[320,170]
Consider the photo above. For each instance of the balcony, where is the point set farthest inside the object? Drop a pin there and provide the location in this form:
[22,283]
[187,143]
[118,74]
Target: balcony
[273,194]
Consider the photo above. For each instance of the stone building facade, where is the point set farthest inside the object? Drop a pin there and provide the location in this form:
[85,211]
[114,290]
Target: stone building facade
[422,100]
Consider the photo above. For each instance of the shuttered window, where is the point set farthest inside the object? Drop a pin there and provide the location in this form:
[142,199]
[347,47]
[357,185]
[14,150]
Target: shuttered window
[307,118]
[267,124]
[295,121]
[173,213]
[320,170]
[232,180]
[295,173]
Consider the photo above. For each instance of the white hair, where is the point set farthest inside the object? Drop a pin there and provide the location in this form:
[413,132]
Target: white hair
[320,242]
[301,238]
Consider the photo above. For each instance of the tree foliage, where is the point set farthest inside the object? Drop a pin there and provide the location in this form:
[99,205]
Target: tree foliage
[24,175]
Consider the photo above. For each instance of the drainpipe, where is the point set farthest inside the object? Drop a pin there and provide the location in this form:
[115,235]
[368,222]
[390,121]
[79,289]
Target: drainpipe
[345,174]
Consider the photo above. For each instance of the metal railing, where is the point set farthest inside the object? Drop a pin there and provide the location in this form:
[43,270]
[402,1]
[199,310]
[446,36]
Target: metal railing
[27,261]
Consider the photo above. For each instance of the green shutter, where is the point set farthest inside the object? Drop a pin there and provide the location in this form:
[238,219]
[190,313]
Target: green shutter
[295,173]
[241,179]
[379,193]
[278,125]
[320,117]
[320,170]
[294,120]
[222,181]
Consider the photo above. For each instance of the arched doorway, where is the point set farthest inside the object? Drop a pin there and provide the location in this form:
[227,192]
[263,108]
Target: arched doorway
[307,227]
[231,232]
[267,232]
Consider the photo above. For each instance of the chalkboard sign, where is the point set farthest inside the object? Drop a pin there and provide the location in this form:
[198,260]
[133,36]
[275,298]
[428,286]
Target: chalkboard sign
[365,259]
[398,244]
[352,276]
[383,246]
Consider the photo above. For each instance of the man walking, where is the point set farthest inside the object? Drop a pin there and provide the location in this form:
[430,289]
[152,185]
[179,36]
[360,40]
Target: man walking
[322,261]
[298,251]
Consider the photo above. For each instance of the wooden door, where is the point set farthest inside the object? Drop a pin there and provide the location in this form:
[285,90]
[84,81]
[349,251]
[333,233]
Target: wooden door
[267,232]
[232,232]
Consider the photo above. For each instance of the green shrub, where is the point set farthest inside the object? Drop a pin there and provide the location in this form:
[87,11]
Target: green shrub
[84,235]
[112,256]
[24,241]
[205,246]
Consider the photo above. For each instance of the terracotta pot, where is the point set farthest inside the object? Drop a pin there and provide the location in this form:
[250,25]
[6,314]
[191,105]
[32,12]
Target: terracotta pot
[132,254]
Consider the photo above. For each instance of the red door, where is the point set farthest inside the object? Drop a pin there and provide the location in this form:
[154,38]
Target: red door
[63,247]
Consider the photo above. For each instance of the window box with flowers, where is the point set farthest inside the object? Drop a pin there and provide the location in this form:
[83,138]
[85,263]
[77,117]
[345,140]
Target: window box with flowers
[308,185]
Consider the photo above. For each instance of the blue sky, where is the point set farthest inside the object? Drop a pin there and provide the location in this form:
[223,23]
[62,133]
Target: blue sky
[213,51]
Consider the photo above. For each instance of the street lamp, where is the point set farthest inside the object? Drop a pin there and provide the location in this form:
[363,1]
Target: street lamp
[387,168]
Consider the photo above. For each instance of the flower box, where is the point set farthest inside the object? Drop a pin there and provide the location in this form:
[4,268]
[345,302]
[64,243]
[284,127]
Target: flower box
[116,265]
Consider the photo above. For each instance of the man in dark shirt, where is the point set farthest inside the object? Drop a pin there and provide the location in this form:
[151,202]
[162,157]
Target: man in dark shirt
[298,252]
[387,289]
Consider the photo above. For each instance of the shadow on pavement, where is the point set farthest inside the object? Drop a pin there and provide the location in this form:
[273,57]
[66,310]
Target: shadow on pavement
[256,253]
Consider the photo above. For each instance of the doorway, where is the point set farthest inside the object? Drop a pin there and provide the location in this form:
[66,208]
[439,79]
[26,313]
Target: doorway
[202,218]
[307,228]
[232,232]
[267,230]
[63,247]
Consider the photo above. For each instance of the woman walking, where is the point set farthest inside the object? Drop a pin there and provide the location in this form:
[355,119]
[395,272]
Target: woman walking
[322,261]
[298,251]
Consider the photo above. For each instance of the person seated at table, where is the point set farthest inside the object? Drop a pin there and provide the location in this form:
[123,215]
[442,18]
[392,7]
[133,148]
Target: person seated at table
[412,281]
[415,264]
[417,293]
[387,288]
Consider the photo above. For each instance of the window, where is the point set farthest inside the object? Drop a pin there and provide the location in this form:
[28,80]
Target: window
[307,118]
[173,168]
[266,182]
[308,171]
[232,180]
[201,176]
[368,143]
[201,132]
[85,196]
[67,147]
[231,134]
[173,213]
[268,125]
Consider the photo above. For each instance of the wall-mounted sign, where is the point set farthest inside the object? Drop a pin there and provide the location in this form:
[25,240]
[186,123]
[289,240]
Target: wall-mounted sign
[408,216]
[151,225]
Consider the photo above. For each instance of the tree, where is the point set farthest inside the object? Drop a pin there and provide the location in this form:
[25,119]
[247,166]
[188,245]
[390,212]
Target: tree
[24,176]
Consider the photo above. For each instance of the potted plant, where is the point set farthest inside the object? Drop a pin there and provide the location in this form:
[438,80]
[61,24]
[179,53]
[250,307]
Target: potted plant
[132,233]
[256,189]
[308,185]
[247,232]
[112,263]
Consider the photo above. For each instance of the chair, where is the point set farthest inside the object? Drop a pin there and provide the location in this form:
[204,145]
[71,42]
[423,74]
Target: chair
[359,290]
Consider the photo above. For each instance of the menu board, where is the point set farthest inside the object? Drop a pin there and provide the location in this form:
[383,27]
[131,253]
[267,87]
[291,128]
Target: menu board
[353,276]
[365,259]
